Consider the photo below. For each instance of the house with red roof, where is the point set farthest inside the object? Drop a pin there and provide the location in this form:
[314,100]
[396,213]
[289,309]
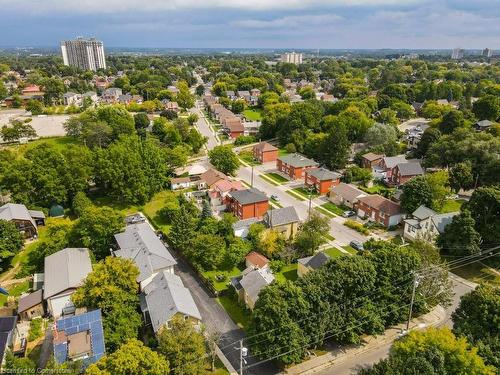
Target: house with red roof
[256,260]
[321,179]
[379,209]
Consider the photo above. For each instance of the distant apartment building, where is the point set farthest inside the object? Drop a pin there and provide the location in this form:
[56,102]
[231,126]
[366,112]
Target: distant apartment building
[292,58]
[487,52]
[457,54]
[86,54]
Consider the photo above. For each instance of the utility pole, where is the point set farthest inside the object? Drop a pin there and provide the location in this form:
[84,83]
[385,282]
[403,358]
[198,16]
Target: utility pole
[310,202]
[243,353]
[416,281]
[252,177]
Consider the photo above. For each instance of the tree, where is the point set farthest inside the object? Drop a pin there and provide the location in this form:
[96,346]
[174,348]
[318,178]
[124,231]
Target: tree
[416,192]
[311,234]
[207,251]
[334,149]
[80,203]
[11,240]
[35,107]
[192,118]
[183,347]
[182,231]
[132,358]
[460,237]
[112,287]
[184,98]
[16,130]
[433,351]
[484,207]
[476,319]
[141,120]
[430,136]
[270,242]
[96,227]
[3,91]
[200,90]
[18,365]
[461,177]
[451,120]
[387,116]
[383,138]
[224,159]
[487,108]
[238,106]
[438,182]
[237,251]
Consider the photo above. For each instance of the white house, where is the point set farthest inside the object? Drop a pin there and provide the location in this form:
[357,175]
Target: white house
[426,224]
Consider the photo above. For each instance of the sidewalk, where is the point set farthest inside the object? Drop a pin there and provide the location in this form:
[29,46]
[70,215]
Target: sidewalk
[316,364]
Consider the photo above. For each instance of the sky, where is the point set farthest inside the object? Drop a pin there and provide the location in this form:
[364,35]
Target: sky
[328,24]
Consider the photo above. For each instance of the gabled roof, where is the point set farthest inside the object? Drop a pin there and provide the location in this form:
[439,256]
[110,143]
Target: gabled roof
[254,281]
[7,325]
[248,196]
[410,169]
[139,243]
[14,211]
[484,124]
[381,204]
[347,191]
[257,259]
[166,296]
[442,220]
[391,161]
[211,176]
[323,174]
[30,300]
[65,269]
[297,160]
[264,147]
[422,212]
[281,216]
[370,156]
[316,261]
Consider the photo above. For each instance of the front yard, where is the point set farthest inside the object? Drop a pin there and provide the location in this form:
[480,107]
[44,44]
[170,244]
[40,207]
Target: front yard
[277,178]
[334,209]
[305,192]
[235,310]
[247,157]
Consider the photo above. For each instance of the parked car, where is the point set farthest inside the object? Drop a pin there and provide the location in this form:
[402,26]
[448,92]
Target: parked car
[356,245]
[275,197]
[348,214]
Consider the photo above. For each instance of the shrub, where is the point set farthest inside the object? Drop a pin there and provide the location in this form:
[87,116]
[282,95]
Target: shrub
[358,227]
[36,329]
[244,140]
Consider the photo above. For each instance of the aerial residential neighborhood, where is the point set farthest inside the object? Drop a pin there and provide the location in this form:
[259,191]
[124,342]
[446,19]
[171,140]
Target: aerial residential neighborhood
[314,190]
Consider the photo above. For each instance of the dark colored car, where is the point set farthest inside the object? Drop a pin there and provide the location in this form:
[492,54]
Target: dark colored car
[356,245]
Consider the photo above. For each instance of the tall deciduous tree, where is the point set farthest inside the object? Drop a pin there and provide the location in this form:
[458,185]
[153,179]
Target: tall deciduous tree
[416,192]
[311,235]
[484,207]
[11,240]
[224,159]
[460,237]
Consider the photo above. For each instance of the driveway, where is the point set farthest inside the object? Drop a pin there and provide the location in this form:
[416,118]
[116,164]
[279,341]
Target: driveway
[215,317]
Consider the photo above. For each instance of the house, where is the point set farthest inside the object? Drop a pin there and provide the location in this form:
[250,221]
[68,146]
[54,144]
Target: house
[426,224]
[31,305]
[321,179]
[308,264]
[231,95]
[32,90]
[256,260]
[251,127]
[166,297]
[241,227]
[173,89]
[294,165]
[249,284]
[384,168]
[210,177]
[72,98]
[345,194]
[247,203]
[370,160]
[141,244]
[92,95]
[403,172]
[79,337]
[125,99]
[255,92]
[8,333]
[265,152]
[379,209]
[284,220]
[233,126]
[483,125]
[172,106]
[180,183]
[220,190]
[64,272]
[111,95]
[26,221]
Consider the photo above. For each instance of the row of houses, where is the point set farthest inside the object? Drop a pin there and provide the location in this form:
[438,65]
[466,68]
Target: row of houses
[393,170]
[251,97]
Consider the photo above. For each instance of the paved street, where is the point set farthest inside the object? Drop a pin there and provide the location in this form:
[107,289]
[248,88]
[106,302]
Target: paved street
[204,128]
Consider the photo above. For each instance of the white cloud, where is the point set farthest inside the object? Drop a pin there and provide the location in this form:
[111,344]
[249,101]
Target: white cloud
[113,6]
[289,21]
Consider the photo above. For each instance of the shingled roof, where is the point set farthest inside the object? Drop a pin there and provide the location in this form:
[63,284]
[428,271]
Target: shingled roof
[248,196]
[297,161]
[323,174]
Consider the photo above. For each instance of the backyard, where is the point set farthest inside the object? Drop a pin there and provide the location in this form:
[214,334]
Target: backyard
[235,310]
[253,114]
[452,205]
[288,272]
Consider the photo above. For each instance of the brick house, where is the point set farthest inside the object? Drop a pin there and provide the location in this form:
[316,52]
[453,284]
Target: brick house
[404,172]
[294,165]
[265,152]
[371,160]
[247,203]
[233,126]
[379,209]
[321,179]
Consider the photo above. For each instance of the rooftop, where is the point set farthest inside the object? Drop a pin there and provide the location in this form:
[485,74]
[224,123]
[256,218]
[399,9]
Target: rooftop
[382,204]
[257,259]
[323,174]
[281,216]
[316,261]
[264,147]
[410,169]
[248,196]
[254,281]
[297,161]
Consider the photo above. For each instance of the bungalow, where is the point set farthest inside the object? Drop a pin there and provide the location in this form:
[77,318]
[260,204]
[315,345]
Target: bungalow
[210,177]
[64,272]
[294,165]
[180,183]
[312,263]
[141,244]
[32,90]
[26,221]
[345,194]
[403,172]
[247,203]
[166,297]
[426,224]
[172,106]
[8,334]
[233,126]
[321,179]
[265,152]
[371,160]
[31,305]
[483,125]
[72,98]
[256,260]
[249,284]
[379,209]
[284,220]
[79,337]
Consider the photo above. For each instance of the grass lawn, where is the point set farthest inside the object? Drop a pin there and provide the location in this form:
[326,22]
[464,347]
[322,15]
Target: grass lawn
[329,237]
[282,152]
[254,114]
[288,272]
[247,157]
[377,188]
[452,205]
[239,314]
[295,195]
[279,179]
[477,272]
[15,291]
[333,252]
[220,283]
[324,211]
[60,143]
[350,249]
[305,192]
[334,209]
[275,202]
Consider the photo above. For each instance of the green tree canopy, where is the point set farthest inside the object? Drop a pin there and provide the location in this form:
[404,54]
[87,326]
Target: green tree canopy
[224,159]
[11,240]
